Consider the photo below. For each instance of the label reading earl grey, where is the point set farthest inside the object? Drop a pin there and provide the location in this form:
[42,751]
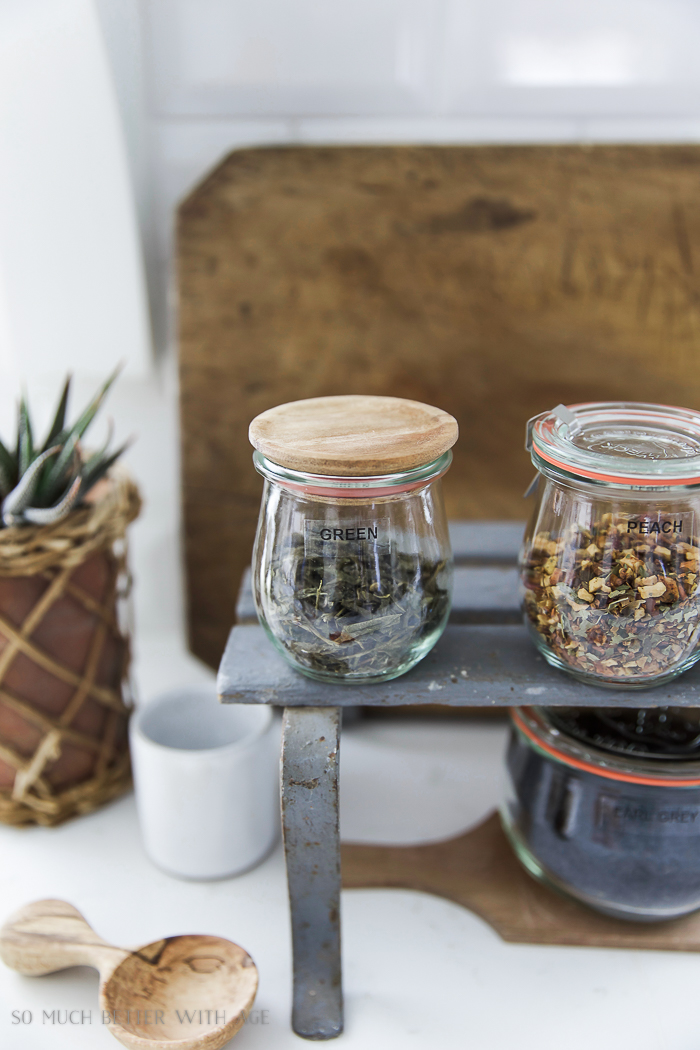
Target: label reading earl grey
[373,529]
[631,814]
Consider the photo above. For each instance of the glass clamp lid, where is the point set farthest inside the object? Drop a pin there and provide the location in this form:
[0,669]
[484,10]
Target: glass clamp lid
[637,746]
[618,443]
[666,734]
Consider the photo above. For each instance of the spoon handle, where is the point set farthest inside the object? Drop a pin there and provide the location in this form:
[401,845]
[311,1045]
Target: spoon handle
[51,935]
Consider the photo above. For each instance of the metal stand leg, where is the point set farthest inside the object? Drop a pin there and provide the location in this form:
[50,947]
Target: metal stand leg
[310,743]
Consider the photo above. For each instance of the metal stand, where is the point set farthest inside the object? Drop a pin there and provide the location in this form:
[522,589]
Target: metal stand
[310,743]
[485,657]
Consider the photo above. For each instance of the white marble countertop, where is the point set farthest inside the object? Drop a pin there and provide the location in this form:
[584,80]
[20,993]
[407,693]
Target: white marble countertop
[418,971]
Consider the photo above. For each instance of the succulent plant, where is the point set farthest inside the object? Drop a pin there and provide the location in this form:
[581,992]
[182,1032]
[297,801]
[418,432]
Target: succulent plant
[40,485]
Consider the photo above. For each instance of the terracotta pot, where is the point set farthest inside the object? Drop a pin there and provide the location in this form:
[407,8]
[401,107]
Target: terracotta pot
[63,662]
[66,633]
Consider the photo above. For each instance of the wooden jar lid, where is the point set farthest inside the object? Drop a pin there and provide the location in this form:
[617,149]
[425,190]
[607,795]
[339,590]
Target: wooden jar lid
[353,435]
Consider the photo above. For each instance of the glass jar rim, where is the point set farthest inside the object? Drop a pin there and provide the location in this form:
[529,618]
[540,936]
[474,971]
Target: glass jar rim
[618,444]
[350,487]
[533,724]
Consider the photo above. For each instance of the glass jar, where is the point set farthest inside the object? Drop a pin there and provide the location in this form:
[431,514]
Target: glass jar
[604,805]
[611,555]
[352,572]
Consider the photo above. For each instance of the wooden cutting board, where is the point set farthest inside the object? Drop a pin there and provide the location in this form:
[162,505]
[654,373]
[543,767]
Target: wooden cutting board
[491,281]
[480,871]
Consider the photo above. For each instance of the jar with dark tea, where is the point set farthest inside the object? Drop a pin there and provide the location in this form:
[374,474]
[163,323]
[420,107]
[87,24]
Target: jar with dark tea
[604,805]
[352,568]
[610,562]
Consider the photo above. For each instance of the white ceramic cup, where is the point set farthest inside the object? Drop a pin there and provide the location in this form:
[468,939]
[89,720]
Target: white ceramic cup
[207,782]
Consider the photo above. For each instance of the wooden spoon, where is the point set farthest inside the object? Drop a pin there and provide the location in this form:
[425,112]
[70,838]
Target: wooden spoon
[191,992]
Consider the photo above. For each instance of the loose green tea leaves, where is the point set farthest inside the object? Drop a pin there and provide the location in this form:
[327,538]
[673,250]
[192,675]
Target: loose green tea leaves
[609,605]
[354,609]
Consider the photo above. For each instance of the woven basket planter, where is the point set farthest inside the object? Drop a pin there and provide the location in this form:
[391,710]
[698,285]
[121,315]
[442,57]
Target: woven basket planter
[64,660]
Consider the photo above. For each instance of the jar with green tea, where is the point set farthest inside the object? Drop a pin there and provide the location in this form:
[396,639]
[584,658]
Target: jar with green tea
[352,569]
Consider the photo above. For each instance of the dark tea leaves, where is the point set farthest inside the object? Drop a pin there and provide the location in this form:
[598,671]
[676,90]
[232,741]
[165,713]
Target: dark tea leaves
[356,610]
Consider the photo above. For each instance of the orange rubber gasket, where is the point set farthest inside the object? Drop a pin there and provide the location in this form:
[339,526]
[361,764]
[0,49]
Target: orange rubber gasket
[619,479]
[310,489]
[355,493]
[588,767]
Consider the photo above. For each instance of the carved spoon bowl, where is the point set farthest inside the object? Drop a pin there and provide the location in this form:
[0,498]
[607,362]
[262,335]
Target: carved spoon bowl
[191,992]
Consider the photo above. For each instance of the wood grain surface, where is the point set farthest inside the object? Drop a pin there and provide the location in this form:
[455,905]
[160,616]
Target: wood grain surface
[479,870]
[141,989]
[353,435]
[493,282]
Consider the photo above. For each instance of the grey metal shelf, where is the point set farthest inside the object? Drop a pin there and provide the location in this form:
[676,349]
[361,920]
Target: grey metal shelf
[485,657]
[472,665]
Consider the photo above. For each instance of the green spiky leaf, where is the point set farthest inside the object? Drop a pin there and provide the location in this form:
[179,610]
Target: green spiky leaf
[99,468]
[59,420]
[95,458]
[22,494]
[8,463]
[25,441]
[8,470]
[42,486]
[48,515]
[86,418]
[57,475]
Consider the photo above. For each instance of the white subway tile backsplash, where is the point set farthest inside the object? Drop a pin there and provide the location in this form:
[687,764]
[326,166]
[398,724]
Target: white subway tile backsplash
[423,130]
[641,129]
[562,56]
[232,57]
